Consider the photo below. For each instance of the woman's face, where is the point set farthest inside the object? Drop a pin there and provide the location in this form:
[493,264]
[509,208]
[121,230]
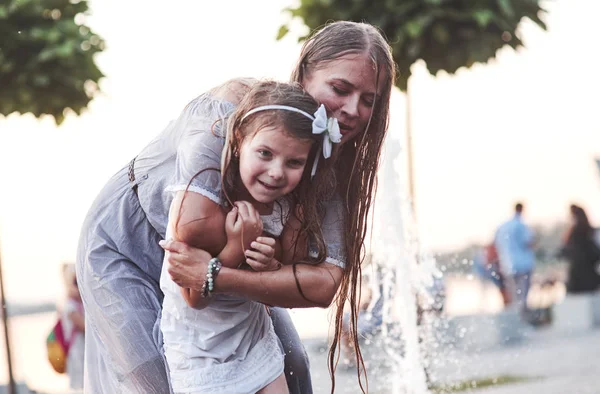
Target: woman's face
[346,86]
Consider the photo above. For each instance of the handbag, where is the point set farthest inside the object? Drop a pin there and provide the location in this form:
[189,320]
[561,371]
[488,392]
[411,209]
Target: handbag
[57,347]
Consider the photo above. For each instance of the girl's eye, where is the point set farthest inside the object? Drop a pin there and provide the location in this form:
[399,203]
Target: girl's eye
[296,163]
[368,102]
[264,153]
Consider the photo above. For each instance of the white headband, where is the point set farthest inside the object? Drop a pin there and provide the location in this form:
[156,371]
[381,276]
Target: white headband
[320,124]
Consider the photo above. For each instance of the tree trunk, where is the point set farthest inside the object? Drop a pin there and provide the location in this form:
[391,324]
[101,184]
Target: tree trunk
[12,389]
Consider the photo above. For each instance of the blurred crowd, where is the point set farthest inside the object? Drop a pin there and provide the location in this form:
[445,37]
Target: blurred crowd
[508,261]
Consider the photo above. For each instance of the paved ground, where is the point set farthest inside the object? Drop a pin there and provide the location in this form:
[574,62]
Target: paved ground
[553,365]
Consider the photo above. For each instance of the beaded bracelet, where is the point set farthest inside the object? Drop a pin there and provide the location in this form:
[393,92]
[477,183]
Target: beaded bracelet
[214,266]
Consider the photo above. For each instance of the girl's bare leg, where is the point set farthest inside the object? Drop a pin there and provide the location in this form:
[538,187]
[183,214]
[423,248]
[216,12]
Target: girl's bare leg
[278,386]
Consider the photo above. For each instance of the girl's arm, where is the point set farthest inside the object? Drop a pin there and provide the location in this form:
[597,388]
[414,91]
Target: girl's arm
[201,223]
[308,286]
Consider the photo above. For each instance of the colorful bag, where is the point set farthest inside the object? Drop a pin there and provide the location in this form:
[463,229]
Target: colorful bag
[58,348]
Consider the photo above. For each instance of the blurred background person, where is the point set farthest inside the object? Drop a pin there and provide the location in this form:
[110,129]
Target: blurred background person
[486,265]
[514,243]
[582,253]
[74,328]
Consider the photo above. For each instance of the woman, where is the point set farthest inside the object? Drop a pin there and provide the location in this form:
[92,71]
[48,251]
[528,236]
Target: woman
[346,66]
[582,252]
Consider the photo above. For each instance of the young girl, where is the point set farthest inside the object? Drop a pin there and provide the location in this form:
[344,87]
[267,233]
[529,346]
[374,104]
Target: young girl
[272,147]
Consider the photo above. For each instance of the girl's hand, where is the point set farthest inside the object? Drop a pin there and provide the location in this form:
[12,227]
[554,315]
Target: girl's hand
[262,255]
[243,225]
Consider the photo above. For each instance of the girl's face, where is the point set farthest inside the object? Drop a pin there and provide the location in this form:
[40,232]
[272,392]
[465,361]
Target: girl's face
[272,163]
[346,86]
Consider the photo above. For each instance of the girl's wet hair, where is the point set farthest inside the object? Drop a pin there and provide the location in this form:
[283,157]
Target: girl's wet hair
[361,156]
[240,126]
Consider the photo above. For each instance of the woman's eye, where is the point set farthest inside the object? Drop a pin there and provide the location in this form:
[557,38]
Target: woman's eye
[368,102]
[339,91]
[264,153]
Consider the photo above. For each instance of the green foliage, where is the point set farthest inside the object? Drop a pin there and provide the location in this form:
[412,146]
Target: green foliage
[46,57]
[446,34]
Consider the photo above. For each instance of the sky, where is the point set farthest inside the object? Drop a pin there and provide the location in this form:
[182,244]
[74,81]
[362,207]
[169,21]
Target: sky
[522,127]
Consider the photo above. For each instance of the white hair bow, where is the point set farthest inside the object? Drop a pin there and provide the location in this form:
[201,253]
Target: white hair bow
[322,124]
[329,126]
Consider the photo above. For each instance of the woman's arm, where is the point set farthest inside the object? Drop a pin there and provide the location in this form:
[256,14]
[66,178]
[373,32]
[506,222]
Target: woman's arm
[319,283]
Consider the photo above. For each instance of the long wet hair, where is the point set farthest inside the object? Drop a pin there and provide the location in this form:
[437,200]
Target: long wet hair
[358,160]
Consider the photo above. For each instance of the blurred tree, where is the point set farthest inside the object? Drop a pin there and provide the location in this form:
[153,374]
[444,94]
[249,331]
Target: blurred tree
[47,57]
[445,34]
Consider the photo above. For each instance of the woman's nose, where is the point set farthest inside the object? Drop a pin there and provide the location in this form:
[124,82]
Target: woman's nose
[350,107]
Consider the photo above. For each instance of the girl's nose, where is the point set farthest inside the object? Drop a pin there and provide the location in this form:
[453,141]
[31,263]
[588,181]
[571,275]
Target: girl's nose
[275,172]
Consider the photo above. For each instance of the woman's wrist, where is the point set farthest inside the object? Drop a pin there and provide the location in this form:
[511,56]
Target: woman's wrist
[227,278]
[212,272]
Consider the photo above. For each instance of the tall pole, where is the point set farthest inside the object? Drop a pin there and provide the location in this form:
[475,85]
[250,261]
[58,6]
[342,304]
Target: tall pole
[411,176]
[12,389]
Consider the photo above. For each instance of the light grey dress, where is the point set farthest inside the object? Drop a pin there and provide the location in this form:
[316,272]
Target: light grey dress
[119,264]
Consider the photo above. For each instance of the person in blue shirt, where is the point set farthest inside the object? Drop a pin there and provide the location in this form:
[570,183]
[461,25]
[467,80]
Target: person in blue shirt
[514,242]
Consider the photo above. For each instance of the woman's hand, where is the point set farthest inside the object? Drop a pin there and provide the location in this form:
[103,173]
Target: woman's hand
[186,265]
[243,225]
[262,255]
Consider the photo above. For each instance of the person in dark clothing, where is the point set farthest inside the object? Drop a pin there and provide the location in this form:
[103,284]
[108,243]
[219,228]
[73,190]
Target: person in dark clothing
[582,252]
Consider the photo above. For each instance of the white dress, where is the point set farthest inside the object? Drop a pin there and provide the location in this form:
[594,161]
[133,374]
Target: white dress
[230,346]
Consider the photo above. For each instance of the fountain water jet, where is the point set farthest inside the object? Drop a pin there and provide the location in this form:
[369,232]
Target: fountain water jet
[394,252]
